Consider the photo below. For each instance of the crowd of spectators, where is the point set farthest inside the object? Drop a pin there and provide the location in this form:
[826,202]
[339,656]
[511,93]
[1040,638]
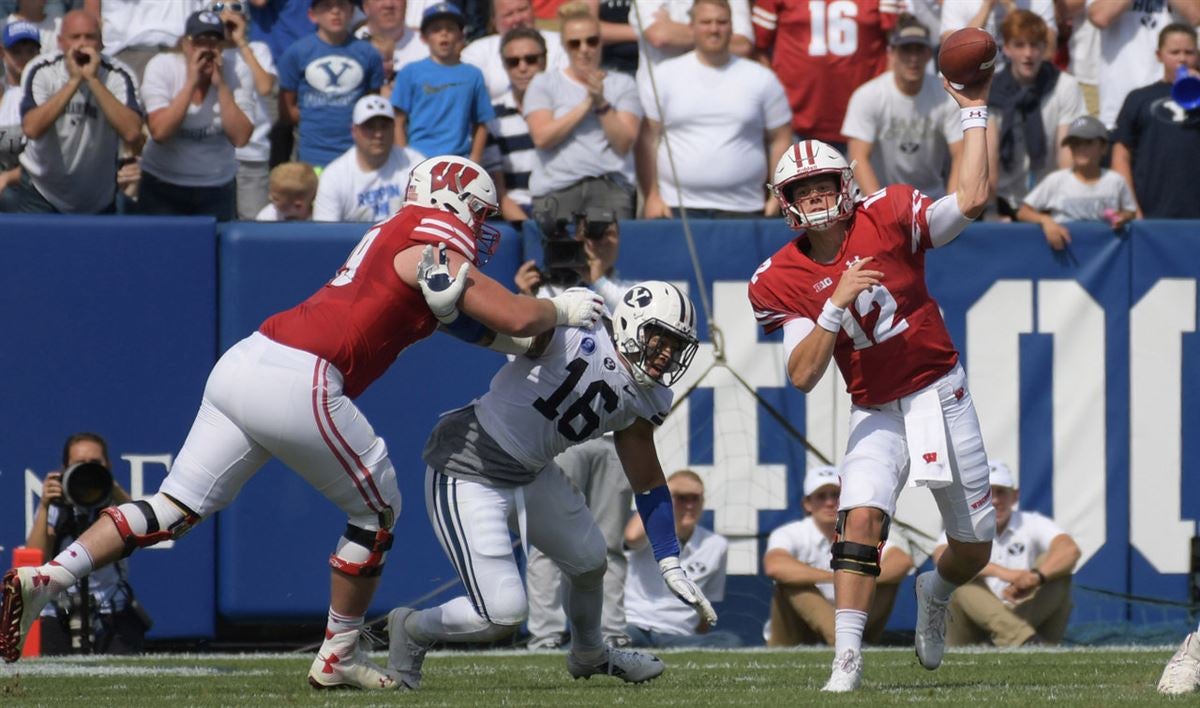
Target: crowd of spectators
[186,106]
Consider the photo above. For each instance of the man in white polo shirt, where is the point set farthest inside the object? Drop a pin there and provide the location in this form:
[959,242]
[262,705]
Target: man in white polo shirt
[1023,596]
[656,617]
[798,558]
[367,182]
[77,105]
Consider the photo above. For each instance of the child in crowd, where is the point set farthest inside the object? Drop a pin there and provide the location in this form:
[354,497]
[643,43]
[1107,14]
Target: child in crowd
[442,104]
[293,188]
[1085,191]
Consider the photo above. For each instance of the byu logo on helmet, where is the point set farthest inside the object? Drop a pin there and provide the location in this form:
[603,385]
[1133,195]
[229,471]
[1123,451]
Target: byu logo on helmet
[333,74]
[638,296]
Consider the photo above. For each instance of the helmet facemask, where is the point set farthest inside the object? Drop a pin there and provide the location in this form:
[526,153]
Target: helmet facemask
[839,204]
[647,351]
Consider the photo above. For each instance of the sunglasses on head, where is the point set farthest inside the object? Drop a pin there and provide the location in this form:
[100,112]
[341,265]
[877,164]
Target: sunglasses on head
[219,7]
[592,41]
[530,59]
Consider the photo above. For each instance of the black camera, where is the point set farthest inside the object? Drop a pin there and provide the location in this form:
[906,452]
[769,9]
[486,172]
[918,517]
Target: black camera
[563,254]
[87,485]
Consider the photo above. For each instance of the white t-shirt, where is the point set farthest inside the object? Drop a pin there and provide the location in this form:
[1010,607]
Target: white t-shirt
[145,23]
[804,541]
[267,213]
[199,154]
[1084,48]
[717,135]
[74,166]
[910,135]
[957,13]
[1027,536]
[12,138]
[259,147]
[409,48]
[1063,105]
[1127,55]
[347,193]
[1068,198]
[650,604]
[47,28]
[485,54]
[641,16]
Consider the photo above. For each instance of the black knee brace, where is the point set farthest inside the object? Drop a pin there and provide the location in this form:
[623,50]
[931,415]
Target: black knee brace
[857,558]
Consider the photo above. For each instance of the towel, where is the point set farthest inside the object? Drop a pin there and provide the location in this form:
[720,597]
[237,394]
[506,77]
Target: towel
[925,430]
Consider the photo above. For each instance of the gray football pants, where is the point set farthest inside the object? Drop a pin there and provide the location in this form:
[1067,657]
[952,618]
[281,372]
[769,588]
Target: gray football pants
[595,470]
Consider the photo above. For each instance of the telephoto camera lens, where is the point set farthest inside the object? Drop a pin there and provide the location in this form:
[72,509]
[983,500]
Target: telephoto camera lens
[87,484]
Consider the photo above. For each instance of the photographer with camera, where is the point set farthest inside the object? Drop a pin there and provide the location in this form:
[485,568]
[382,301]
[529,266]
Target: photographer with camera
[582,253]
[99,614]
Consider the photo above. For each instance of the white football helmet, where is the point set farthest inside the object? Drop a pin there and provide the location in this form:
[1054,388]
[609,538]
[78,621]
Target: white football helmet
[809,158]
[655,308]
[463,188]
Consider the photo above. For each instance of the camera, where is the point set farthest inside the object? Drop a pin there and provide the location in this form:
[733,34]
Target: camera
[563,254]
[87,485]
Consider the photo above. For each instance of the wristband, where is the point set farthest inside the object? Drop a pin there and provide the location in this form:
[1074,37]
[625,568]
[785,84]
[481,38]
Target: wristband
[658,516]
[831,317]
[602,109]
[974,117]
[1041,576]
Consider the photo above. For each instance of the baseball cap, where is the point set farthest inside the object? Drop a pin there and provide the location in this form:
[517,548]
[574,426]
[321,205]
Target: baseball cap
[820,476]
[911,33]
[999,475]
[443,9]
[204,22]
[1086,128]
[372,106]
[21,31]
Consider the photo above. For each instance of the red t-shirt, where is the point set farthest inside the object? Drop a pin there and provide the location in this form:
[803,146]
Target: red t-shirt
[897,342]
[822,50]
[365,316]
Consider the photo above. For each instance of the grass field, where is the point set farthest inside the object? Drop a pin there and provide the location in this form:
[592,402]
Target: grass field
[768,678]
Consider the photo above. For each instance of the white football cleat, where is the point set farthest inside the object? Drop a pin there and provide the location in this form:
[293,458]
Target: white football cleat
[627,665]
[1182,674]
[25,592]
[931,623]
[342,662]
[847,673]
[405,655]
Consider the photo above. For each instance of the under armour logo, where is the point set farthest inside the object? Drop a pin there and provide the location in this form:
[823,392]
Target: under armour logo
[929,457]
[329,662]
[40,580]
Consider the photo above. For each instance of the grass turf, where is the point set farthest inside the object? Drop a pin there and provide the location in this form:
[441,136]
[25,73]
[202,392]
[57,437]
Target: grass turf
[769,678]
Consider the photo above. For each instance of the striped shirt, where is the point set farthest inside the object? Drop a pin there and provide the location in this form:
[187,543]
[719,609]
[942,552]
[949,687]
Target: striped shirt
[510,150]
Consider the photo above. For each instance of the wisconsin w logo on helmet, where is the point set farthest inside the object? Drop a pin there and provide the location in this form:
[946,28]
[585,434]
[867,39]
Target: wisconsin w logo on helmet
[456,185]
[454,175]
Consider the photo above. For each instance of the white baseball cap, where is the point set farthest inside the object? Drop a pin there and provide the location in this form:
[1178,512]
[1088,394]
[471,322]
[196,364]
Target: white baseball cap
[371,106]
[820,476]
[999,475]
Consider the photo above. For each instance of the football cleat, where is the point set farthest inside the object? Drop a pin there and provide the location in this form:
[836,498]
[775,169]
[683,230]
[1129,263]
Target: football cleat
[629,666]
[342,662]
[931,623]
[405,655]
[25,592]
[847,673]
[1182,674]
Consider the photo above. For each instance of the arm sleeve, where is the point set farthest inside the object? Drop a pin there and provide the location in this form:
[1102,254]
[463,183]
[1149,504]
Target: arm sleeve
[402,90]
[482,109]
[794,332]
[122,83]
[156,91]
[775,104]
[781,540]
[945,221]
[374,78]
[765,18]
[289,70]
[325,206]
[610,291]
[1039,197]
[1126,131]
[1125,200]
[740,19]
[624,93]
[537,96]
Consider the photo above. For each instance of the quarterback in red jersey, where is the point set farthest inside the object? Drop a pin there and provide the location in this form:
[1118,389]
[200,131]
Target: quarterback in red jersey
[822,50]
[287,391]
[851,287]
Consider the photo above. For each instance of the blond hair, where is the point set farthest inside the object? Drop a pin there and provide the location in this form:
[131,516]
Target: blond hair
[689,474]
[575,11]
[294,179]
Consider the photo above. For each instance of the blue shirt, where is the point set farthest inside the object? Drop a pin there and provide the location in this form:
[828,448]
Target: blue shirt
[279,23]
[328,80]
[444,104]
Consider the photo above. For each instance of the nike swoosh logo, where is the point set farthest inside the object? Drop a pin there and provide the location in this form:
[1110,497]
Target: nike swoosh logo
[431,89]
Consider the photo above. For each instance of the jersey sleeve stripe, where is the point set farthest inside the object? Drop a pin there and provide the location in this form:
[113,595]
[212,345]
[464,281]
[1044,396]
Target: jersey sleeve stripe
[916,222]
[441,223]
[764,19]
[463,246]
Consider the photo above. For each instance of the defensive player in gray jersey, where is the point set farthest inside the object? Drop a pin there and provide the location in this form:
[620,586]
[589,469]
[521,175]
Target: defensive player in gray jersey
[491,471]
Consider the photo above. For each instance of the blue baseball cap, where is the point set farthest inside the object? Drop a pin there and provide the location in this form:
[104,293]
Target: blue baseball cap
[21,31]
[443,9]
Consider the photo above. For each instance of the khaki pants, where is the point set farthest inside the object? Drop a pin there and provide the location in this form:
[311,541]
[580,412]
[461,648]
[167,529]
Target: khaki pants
[978,616]
[800,614]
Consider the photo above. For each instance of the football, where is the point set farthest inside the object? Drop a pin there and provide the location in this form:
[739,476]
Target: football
[967,57]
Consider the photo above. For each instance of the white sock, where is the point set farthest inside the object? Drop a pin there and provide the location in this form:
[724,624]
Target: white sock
[339,623]
[941,587]
[71,564]
[849,626]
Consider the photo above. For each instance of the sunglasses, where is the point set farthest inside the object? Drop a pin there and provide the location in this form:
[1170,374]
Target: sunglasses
[530,59]
[688,498]
[592,41]
[219,7]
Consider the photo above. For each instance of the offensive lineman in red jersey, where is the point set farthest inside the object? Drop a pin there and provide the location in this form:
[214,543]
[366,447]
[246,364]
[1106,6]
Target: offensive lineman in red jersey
[851,287]
[822,50]
[286,391]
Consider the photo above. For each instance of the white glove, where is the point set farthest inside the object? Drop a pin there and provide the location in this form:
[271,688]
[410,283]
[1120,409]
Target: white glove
[441,292]
[578,307]
[685,589]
